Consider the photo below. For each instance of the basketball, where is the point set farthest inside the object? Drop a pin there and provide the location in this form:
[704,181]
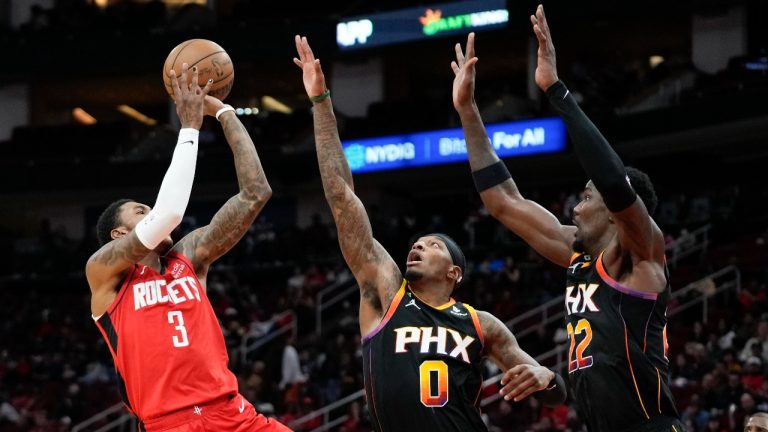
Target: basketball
[211,60]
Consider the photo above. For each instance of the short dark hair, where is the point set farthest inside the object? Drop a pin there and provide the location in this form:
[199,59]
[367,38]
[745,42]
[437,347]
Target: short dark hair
[642,185]
[109,220]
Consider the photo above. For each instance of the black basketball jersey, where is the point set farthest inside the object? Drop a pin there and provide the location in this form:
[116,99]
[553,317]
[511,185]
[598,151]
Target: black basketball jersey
[422,367]
[617,360]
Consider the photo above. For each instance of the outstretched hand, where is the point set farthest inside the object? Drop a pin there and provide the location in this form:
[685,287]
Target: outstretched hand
[546,67]
[189,97]
[464,69]
[314,80]
[524,379]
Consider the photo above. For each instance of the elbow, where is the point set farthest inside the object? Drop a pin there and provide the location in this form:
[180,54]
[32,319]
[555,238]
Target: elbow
[260,194]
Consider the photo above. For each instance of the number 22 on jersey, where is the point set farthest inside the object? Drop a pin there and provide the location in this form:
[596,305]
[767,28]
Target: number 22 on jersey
[581,361]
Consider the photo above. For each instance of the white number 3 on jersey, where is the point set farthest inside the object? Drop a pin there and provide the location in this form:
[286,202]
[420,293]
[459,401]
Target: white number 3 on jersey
[179,340]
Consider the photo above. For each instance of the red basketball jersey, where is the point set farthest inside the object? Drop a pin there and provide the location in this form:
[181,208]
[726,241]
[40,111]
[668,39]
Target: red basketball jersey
[165,340]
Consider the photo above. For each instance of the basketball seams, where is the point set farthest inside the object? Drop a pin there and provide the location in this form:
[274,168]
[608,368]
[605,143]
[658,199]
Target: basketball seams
[207,51]
[178,54]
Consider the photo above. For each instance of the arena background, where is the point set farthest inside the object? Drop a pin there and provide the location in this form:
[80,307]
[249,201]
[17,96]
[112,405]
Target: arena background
[679,88]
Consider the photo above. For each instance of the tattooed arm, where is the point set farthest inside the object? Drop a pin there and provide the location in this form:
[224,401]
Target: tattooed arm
[523,375]
[376,273]
[205,245]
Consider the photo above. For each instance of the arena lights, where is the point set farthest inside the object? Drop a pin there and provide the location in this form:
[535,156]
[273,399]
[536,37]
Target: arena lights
[421,23]
[81,116]
[246,111]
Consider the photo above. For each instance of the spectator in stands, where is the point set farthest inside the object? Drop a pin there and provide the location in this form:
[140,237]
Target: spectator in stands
[757,345]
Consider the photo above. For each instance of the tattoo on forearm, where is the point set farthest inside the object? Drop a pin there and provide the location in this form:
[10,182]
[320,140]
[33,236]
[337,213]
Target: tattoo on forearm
[501,344]
[250,174]
[129,250]
[334,169]
[233,219]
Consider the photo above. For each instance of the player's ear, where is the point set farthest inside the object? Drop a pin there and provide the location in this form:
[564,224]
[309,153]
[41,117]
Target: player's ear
[118,232]
[455,274]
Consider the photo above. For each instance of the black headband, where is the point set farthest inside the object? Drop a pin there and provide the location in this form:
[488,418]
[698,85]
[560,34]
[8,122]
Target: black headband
[457,256]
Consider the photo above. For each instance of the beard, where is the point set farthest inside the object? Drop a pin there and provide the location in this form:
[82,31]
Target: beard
[413,275]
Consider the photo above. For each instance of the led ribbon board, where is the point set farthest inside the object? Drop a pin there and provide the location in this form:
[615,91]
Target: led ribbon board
[420,23]
[511,139]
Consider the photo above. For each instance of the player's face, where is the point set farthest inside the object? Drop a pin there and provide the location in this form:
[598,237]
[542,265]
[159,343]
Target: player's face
[428,258]
[590,216]
[131,213]
[756,424]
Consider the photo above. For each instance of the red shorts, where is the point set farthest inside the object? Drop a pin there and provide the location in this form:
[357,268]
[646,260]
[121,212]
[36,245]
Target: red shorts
[225,415]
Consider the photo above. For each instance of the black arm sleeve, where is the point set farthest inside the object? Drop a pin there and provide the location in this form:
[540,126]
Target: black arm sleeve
[555,394]
[599,160]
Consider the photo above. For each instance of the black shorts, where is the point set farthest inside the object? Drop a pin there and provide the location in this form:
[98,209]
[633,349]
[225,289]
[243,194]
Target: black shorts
[659,424]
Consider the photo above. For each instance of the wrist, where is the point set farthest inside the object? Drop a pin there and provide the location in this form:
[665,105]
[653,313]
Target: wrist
[556,89]
[467,110]
[321,97]
[225,108]
[187,134]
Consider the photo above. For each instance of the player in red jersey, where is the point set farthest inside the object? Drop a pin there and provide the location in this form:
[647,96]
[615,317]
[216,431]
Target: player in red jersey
[148,296]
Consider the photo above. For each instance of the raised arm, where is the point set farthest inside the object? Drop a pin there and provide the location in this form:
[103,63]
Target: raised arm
[532,222]
[108,265]
[376,273]
[638,233]
[523,375]
[229,224]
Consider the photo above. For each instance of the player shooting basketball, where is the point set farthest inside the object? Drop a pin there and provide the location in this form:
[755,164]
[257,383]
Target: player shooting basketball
[148,296]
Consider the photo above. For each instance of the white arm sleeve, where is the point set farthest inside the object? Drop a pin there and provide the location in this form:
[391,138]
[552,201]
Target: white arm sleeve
[174,193]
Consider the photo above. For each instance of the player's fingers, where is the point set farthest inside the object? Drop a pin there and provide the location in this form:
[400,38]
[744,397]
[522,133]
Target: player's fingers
[471,45]
[508,375]
[455,67]
[519,375]
[523,388]
[459,54]
[307,49]
[526,392]
[298,63]
[174,84]
[299,47]
[207,87]
[540,36]
[543,19]
[194,85]
[183,79]
[471,62]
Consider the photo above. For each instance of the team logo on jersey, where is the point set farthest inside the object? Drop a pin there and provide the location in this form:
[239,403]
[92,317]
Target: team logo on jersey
[456,311]
[422,336]
[413,303]
[580,300]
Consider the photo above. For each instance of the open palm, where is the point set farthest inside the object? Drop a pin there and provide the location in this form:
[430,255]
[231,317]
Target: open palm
[314,80]
[464,70]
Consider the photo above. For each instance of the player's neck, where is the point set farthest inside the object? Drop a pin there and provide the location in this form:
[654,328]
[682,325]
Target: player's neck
[431,293]
[152,260]
[600,244]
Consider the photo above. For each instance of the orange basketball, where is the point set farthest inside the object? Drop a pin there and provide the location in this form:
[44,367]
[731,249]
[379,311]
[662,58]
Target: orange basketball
[211,60]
